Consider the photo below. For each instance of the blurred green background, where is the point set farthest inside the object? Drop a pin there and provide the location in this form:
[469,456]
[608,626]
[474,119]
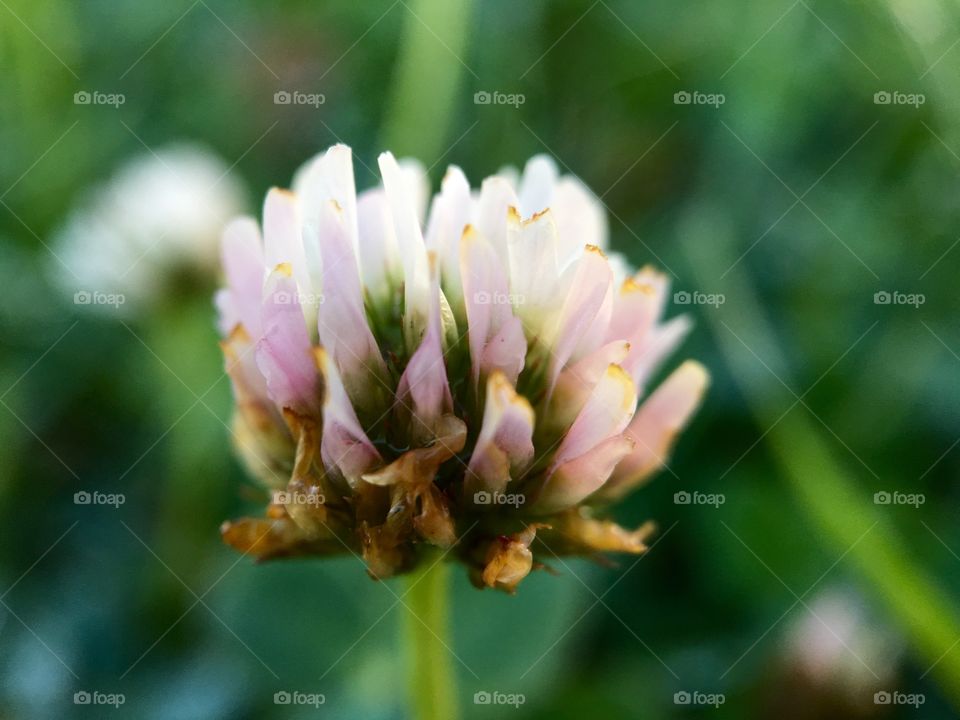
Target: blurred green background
[797,199]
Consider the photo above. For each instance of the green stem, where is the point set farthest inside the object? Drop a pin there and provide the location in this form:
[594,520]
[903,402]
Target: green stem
[426,633]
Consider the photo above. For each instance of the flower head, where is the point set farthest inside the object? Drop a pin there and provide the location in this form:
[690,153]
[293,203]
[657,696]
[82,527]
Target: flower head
[159,215]
[470,382]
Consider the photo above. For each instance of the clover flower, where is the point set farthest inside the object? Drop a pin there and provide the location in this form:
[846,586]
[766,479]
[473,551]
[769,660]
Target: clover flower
[157,218]
[470,383]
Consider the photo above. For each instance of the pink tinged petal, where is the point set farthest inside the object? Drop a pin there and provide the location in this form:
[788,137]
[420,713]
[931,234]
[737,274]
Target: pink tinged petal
[495,200]
[379,253]
[656,425]
[417,297]
[344,446]
[575,480]
[534,269]
[647,354]
[537,185]
[581,219]
[342,321]
[423,387]
[496,336]
[585,313]
[283,237]
[243,263]
[284,353]
[449,215]
[504,446]
[638,305]
[579,380]
[606,413]
[329,176]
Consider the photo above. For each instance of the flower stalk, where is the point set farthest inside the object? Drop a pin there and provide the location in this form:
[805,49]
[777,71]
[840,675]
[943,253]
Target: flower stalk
[432,677]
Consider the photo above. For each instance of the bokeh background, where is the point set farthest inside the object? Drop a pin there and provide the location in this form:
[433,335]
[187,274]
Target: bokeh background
[792,204]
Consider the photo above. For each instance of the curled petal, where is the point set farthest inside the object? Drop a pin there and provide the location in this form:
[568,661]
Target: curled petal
[576,531]
[577,479]
[577,382]
[242,257]
[649,352]
[585,315]
[344,445]
[379,253]
[493,205]
[509,559]
[537,185]
[581,218]
[532,247]
[449,215]
[605,414]
[329,176]
[283,237]
[497,341]
[284,353]
[656,425]
[504,447]
[259,431]
[423,389]
[416,273]
[341,319]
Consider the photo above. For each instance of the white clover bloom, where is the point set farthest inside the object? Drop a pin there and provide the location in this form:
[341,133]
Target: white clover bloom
[477,376]
[159,215]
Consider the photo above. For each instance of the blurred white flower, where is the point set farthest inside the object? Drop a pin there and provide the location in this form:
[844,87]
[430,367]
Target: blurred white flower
[160,214]
[836,645]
